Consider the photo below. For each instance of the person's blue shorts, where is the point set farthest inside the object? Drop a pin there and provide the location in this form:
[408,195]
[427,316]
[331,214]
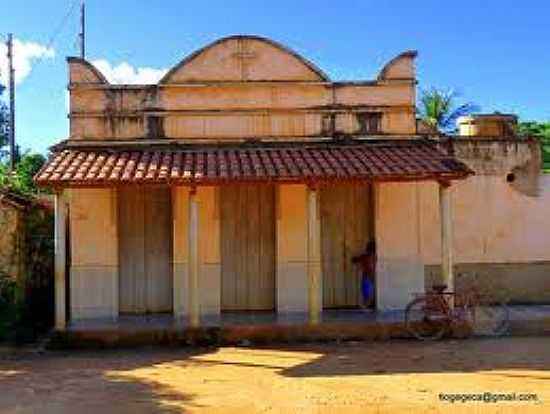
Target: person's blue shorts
[366,288]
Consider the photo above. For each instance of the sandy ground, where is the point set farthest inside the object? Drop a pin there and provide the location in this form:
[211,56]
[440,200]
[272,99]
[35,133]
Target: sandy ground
[378,377]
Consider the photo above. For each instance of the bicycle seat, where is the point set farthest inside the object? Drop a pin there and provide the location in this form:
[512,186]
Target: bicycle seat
[439,288]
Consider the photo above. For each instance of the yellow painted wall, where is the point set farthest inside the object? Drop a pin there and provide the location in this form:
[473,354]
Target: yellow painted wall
[217,95]
[400,270]
[292,253]
[94,253]
[492,222]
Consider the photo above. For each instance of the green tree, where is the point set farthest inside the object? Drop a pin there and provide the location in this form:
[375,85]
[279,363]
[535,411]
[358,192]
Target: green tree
[21,179]
[540,130]
[440,109]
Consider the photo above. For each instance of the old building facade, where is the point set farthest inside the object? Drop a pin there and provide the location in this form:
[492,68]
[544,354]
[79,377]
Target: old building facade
[246,179]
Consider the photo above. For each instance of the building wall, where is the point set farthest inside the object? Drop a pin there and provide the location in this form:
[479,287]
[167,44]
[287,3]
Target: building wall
[500,220]
[500,234]
[94,253]
[292,252]
[227,91]
[400,268]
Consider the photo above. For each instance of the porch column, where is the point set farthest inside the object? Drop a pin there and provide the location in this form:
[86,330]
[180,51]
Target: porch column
[314,256]
[193,243]
[446,234]
[60,241]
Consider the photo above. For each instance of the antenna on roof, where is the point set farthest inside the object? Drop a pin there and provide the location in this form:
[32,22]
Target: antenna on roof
[82,34]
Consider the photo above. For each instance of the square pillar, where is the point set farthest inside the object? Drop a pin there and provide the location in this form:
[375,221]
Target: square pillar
[60,240]
[180,208]
[193,260]
[446,235]
[315,292]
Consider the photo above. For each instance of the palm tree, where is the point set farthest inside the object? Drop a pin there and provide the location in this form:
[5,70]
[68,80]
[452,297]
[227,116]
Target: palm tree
[439,110]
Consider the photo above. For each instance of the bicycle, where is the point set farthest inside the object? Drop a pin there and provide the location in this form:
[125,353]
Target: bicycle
[431,315]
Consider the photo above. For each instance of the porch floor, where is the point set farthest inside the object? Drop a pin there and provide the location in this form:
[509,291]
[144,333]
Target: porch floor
[227,319]
[265,327]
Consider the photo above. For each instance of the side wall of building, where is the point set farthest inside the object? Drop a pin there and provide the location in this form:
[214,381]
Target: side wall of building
[500,235]
[501,227]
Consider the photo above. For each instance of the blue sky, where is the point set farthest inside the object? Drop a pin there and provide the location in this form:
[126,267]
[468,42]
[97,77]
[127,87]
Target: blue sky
[496,53]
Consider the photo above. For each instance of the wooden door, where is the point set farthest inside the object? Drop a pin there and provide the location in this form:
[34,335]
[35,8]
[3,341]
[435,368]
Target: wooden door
[346,227]
[145,250]
[247,247]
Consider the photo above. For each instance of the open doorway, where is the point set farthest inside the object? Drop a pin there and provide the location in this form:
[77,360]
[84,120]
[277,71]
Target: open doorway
[347,225]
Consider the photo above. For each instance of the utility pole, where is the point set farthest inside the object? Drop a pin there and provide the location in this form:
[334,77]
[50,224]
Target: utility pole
[82,34]
[12,102]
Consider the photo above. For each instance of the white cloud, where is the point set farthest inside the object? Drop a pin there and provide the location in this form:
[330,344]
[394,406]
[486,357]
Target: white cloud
[124,73]
[25,55]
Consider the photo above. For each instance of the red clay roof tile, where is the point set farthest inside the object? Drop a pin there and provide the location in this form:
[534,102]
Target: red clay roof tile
[379,161]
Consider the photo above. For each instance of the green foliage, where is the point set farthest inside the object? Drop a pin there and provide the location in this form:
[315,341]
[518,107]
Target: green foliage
[540,130]
[21,180]
[440,110]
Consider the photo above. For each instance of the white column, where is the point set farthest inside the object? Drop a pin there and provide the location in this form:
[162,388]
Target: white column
[60,240]
[446,235]
[193,243]
[314,256]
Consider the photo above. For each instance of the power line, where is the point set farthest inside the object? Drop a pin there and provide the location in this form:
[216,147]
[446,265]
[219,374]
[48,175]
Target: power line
[53,37]
[62,24]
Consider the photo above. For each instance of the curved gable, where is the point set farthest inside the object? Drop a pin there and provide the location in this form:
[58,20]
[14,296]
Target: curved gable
[400,67]
[82,71]
[244,58]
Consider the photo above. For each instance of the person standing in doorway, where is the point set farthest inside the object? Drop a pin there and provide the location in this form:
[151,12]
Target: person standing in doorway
[367,264]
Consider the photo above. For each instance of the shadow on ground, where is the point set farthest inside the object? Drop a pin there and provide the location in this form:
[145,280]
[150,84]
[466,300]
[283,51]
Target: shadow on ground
[399,357]
[253,378]
[409,357]
[91,381]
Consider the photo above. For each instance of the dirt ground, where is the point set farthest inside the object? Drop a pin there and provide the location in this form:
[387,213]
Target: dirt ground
[378,377]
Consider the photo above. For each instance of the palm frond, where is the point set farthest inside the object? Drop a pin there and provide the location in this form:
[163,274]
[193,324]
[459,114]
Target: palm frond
[438,109]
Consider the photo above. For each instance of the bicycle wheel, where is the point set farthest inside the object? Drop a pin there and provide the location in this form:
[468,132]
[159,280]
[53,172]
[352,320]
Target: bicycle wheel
[491,320]
[426,321]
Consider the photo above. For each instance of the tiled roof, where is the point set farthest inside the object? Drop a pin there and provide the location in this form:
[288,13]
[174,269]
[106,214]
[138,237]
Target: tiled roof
[407,160]
[23,201]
